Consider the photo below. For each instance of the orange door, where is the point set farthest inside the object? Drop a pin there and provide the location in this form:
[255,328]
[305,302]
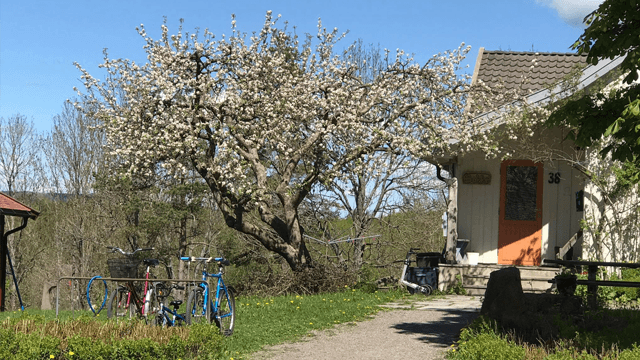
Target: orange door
[520,225]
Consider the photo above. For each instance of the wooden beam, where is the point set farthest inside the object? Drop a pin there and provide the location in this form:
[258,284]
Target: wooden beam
[452,221]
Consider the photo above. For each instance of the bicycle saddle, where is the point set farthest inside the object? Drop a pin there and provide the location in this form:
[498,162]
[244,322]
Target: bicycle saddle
[176,303]
[151,262]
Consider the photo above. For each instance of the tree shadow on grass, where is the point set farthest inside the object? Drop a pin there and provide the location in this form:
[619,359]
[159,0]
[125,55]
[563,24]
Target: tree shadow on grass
[442,332]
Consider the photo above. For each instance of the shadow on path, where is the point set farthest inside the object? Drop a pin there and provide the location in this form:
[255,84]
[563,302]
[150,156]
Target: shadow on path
[439,333]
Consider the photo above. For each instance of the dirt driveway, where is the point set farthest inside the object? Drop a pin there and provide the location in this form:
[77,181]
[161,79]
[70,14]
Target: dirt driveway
[415,330]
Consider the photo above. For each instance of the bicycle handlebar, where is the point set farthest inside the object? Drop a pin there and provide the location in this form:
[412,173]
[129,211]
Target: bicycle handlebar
[117,249]
[221,260]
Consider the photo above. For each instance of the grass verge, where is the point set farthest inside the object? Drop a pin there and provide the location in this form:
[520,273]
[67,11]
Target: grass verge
[484,339]
[264,321]
[260,322]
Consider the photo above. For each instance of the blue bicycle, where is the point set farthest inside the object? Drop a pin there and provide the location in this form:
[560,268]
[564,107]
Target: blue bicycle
[165,316]
[223,310]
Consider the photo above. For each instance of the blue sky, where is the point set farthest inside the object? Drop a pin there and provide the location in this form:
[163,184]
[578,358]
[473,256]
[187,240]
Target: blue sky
[40,40]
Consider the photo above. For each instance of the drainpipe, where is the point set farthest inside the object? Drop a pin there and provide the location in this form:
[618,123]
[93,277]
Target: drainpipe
[3,244]
[452,215]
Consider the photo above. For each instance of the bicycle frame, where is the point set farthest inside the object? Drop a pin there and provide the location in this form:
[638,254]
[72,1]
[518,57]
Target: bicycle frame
[141,303]
[210,305]
[164,311]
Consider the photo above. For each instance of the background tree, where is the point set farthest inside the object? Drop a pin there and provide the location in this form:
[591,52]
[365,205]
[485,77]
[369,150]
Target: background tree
[74,151]
[19,154]
[613,30]
[263,119]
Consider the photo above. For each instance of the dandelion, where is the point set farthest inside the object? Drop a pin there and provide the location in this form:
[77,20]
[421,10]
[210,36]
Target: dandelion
[71,353]
[52,356]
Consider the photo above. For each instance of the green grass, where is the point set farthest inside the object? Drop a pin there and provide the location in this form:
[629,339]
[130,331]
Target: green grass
[263,321]
[268,321]
[483,339]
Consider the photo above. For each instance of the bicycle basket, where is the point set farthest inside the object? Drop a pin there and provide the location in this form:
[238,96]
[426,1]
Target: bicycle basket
[124,268]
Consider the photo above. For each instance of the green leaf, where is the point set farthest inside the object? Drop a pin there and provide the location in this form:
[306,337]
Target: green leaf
[614,128]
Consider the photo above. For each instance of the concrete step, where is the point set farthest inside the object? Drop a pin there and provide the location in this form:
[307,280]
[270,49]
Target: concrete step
[532,283]
[478,290]
[535,279]
[525,271]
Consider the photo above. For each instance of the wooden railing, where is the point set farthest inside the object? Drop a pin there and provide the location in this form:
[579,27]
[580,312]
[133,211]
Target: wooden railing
[563,250]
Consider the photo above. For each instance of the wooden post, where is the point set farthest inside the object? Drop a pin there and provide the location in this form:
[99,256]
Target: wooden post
[3,263]
[452,221]
[592,290]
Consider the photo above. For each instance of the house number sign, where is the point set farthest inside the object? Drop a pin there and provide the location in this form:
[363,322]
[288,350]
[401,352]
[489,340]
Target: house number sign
[554,178]
[476,178]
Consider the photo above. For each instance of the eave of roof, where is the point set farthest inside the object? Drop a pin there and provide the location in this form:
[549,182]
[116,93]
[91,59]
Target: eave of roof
[12,207]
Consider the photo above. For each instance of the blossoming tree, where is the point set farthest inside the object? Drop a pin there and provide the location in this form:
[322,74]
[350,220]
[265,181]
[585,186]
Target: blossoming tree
[263,118]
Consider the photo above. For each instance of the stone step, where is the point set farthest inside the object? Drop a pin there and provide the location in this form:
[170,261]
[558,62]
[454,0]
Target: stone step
[532,283]
[478,290]
[475,277]
[525,271]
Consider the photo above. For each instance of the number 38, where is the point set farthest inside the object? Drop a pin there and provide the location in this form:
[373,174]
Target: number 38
[554,178]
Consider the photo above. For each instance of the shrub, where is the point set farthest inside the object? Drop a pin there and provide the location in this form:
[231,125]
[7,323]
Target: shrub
[481,341]
[487,346]
[92,340]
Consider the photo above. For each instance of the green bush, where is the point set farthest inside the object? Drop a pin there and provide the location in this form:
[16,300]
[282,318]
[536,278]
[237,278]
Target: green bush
[30,347]
[487,346]
[481,340]
[630,354]
[20,340]
[84,348]
[570,354]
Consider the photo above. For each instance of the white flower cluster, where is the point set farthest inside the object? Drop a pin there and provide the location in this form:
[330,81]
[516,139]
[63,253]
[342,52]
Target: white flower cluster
[270,114]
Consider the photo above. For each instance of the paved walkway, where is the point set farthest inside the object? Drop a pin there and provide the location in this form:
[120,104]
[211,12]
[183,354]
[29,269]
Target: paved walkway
[417,329]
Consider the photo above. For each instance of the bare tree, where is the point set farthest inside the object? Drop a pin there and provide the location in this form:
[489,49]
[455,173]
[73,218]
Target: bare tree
[75,151]
[19,154]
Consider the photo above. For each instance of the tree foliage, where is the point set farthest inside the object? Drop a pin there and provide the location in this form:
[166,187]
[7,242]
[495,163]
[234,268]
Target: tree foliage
[613,30]
[264,118]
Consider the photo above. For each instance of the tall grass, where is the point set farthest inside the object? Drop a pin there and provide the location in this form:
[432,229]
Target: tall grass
[260,321]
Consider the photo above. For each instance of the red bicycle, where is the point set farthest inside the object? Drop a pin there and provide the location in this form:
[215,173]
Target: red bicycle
[129,300]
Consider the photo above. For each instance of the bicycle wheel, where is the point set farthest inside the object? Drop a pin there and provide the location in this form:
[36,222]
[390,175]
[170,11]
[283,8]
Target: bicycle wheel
[225,317]
[195,307]
[118,306]
[159,320]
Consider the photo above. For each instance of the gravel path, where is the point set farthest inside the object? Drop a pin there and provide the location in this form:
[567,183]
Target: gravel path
[411,334]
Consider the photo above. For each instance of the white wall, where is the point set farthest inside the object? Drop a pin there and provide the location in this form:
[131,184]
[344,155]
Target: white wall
[478,207]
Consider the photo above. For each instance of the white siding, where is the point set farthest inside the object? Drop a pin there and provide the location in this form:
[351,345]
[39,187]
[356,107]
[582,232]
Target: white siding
[478,207]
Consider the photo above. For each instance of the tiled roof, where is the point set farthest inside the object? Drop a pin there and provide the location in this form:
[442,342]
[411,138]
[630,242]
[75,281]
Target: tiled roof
[11,206]
[510,67]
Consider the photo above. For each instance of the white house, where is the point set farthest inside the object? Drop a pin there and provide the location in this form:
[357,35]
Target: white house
[517,212]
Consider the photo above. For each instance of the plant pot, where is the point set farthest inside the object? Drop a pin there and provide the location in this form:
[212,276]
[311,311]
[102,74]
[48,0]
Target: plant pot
[566,284]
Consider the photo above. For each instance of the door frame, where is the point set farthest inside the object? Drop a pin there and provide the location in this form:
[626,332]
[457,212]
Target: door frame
[504,225]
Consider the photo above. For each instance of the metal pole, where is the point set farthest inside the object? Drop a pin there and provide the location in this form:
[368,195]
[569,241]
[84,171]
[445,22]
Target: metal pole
[15,280]
[57,297]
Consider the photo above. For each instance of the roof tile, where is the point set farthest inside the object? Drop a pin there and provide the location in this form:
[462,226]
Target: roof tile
[511,66]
